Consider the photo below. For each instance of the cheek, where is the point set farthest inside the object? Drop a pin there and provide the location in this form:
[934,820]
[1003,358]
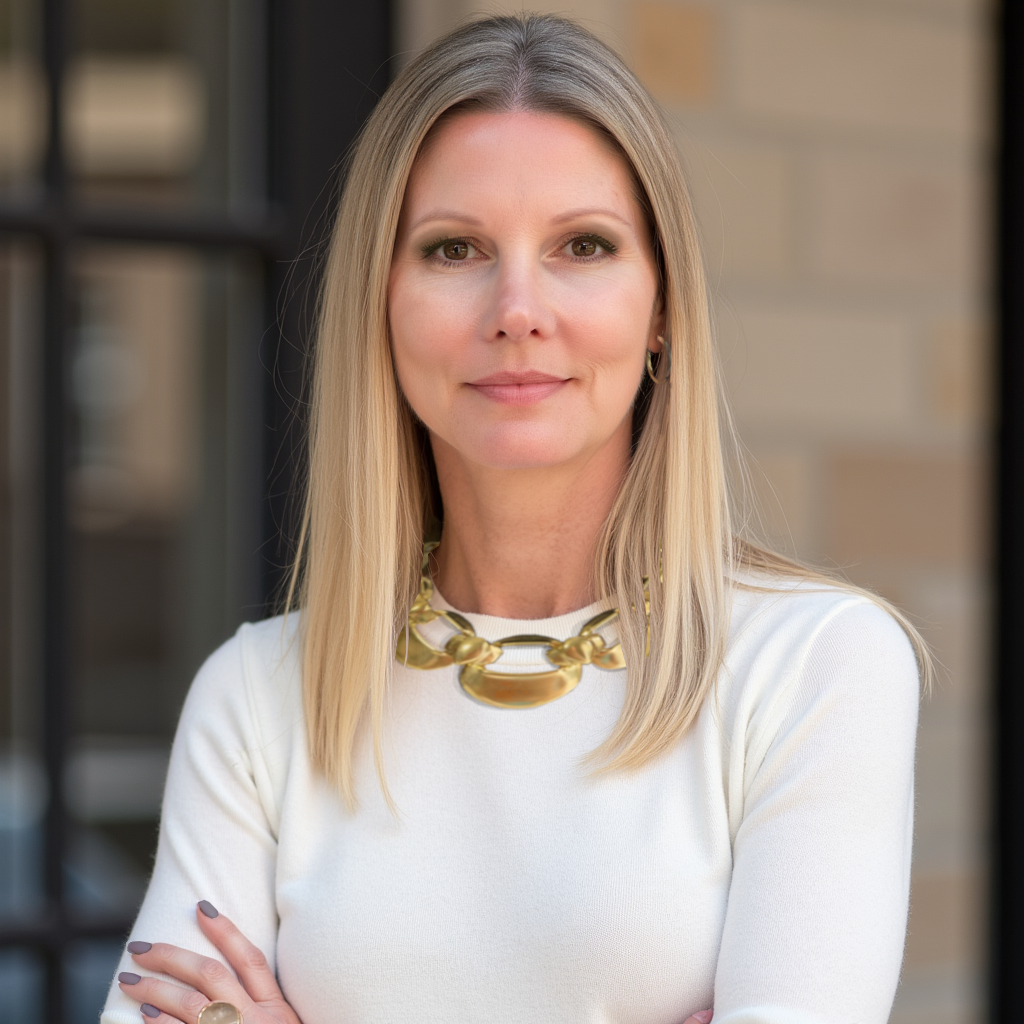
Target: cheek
[426,338]
[427,320]
[610,328]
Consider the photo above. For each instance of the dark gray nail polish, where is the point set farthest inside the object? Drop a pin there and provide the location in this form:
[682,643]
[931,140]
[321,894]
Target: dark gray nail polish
[208,908]
[149,1011]
[127,978]
[139,947]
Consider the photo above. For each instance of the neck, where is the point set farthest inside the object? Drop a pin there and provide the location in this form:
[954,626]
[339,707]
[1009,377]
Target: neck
[521,543]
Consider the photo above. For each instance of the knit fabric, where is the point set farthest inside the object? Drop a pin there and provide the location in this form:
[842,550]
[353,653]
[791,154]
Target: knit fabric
[762,865]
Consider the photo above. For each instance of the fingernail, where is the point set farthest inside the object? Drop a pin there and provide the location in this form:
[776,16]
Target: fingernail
[149,1011]
[208,908]
[705,1016]
[127,978]
[139,947]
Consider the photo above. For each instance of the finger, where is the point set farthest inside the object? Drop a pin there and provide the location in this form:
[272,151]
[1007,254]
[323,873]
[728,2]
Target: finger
[203,973]
[158,997]
[701,1017]
[152,1015]
[248,960]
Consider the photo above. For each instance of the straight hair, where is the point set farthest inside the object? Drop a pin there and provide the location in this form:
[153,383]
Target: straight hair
[370,489]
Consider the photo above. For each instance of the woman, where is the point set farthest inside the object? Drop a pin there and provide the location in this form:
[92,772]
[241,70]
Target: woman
[530,810]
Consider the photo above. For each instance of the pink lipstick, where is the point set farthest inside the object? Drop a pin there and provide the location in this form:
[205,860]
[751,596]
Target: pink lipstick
[523,387]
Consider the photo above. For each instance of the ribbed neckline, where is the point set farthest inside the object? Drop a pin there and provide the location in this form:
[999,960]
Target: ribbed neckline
[494,627]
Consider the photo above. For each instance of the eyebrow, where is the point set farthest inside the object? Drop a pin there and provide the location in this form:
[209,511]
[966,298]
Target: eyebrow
[463,218]
[568,215]
[590,211]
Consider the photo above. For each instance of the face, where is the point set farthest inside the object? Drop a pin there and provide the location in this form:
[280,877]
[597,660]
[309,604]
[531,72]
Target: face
[523,292]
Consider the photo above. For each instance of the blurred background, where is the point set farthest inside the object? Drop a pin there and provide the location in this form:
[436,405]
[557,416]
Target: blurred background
[165,168]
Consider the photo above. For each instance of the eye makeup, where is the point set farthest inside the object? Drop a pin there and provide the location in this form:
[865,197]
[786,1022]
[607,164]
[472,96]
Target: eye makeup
[433,249]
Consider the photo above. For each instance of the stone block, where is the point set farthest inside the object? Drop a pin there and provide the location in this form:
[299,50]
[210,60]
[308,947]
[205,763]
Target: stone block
[946,911]
[743,195]
[980,7]
[834,373]
[960,391]
[674,50]
[605,18]
[778,506]
[917,510]
[951,776]
[942,997]
[954,621]
[892,221]
[882,71]
[420,22]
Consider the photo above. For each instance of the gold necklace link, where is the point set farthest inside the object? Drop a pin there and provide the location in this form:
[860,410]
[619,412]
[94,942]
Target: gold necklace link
[473,653]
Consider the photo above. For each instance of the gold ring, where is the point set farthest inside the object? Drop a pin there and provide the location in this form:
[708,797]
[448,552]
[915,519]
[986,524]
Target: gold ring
[219,1013]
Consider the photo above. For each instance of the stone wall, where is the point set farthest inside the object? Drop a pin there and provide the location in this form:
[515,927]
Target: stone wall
[838,151]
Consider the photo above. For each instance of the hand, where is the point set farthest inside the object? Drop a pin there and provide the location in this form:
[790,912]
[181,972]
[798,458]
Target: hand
[254,991]
[701,1017]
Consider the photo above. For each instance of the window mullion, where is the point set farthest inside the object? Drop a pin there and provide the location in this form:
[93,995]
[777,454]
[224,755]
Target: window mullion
[54,433]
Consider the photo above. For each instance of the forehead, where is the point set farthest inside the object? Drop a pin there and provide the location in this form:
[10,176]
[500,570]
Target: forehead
[519,156]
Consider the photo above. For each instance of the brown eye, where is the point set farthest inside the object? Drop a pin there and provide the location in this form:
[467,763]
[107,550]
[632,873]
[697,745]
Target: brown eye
[583,247]
[455,250]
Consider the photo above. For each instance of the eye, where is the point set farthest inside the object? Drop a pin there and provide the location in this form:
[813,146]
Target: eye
[588,248]
[446,251]
[455,250]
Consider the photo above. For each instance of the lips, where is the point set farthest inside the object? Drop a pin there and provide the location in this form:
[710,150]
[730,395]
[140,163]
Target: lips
[522,387]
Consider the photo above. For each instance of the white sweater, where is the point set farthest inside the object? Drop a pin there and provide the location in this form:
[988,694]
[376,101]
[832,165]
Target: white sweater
[762,865]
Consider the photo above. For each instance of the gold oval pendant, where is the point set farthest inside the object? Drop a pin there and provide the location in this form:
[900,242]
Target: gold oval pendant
[518,689]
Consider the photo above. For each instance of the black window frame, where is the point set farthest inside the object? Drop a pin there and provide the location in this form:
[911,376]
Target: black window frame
[327,61]
[1006,882]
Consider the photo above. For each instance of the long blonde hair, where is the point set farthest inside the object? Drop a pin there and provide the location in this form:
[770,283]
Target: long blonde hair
[369,487]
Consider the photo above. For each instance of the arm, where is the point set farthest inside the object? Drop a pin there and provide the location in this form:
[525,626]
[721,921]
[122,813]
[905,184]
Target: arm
[216,842]
[818,901]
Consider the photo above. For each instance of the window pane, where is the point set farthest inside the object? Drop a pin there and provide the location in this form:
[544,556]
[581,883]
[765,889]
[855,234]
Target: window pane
[165,505]
[22,97]
[23,785]
[164,101]
[88,968]
[21,986]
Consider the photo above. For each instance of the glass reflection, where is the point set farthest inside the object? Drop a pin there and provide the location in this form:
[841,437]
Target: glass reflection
[164,492]
[164,102]
[22,97]
[88,968]
[21,986]
[165,388]
[23,786]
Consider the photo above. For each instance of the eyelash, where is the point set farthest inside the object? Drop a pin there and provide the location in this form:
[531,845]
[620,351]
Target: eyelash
[432,249]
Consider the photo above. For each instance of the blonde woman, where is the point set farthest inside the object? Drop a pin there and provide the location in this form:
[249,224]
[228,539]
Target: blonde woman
[590,758]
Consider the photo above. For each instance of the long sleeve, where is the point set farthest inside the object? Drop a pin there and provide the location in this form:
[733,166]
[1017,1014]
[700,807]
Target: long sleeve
[216,840]
[764,859]
[818,899]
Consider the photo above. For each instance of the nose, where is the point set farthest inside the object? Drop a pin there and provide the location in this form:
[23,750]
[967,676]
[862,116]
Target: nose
[520,308]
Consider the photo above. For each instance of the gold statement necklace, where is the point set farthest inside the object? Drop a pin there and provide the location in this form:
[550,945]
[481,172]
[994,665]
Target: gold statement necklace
[475,654]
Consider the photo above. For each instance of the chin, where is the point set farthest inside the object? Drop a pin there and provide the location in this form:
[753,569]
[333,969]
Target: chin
[518,449]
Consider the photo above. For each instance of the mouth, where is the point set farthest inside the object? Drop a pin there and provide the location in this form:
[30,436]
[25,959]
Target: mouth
[522,387]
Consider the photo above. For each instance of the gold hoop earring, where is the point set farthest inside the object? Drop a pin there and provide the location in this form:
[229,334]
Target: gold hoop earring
[666,355]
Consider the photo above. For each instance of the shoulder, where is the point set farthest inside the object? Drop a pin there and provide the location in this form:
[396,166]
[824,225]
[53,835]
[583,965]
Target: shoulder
[791,640]
[797,612]
[253,678]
